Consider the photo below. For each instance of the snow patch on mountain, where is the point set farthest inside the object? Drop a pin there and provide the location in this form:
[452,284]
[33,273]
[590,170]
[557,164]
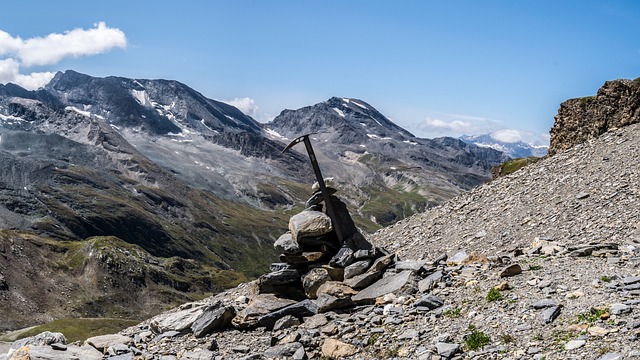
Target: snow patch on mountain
[142,98]
[275,134]
[340,112]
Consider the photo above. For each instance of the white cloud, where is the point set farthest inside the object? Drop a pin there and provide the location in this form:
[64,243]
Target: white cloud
[443,124]
[508,135]
[456,125]
[248,107]
[51,49]
[10,72]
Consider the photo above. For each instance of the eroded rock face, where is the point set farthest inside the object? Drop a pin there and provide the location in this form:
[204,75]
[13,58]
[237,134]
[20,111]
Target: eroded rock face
[617,104]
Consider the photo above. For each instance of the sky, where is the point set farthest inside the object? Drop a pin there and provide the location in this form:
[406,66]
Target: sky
[436,68]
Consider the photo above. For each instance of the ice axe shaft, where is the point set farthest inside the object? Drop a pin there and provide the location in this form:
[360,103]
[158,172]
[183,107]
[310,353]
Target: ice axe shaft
[323,188]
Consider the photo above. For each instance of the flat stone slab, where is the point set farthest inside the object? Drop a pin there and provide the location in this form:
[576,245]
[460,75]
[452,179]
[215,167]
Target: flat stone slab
[300,309]
[177,321]
[383,286]
[103,342]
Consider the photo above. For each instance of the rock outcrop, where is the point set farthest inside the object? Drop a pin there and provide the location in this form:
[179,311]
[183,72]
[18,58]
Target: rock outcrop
[617,104]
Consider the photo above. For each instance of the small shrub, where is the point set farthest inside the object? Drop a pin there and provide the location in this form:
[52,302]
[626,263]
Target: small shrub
[453,313]
[476,340]
[507,338]
[605,279]
[373,338]
[593,315]
[493,295]
[535,267]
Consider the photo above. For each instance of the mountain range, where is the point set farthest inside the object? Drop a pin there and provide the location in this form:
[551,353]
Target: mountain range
[518,149]
[108,182]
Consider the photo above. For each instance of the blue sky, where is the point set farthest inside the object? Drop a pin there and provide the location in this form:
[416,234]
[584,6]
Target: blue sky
[434,67]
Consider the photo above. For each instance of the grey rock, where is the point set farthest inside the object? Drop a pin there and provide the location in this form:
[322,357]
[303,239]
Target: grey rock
[543,304]
[382,263]
[287,245]
[574,344]
[176,321]
[357,268]
[511,270]
[312,280]
[118,349]
[363,280]
[280,266]
[198,355]
[259,306]
[382,287]
[282,351]
[300,354]
[299,310]
[167,334]
[611,356]
[317,197]
[343,258]
[286,322]
[427,284]
[309,224]
[582,195]
[409,334]
[447,350]
[429,301]
[243,349]
[314,322]
[457,258]
[619,309]
[59,346]
[631,280]
[413,265]
[44,338]
[213,319]
[327,302]
[103,342]
[551,313]
[126,356]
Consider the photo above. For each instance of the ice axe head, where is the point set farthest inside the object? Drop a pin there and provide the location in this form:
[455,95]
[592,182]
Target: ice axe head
[295,141]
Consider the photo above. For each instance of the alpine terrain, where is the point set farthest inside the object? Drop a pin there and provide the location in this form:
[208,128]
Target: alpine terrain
[542,263]
[122,197]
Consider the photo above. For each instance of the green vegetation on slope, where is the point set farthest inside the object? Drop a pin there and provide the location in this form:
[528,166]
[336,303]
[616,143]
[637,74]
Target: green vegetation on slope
[82,328]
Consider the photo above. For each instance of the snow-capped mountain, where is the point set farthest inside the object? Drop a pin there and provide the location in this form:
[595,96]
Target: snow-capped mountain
[518,149]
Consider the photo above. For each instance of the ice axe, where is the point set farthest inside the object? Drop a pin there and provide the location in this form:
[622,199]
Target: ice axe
[323,188]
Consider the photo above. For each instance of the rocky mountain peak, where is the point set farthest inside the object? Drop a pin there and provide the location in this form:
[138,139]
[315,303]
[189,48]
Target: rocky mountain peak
[616,104]
[341,120]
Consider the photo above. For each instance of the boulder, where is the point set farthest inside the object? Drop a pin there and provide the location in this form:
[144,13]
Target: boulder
[313,280]
[176,321]
[357,268]
[103,342]
[309,224]
[259,306]
[213,319]
[299,310]
[343,258]
[287,245]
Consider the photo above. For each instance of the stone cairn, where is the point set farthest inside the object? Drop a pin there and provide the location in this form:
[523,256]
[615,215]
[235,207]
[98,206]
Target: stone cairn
[314,265]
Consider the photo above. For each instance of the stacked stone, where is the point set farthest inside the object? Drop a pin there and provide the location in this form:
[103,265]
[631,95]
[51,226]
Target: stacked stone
[314,264]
